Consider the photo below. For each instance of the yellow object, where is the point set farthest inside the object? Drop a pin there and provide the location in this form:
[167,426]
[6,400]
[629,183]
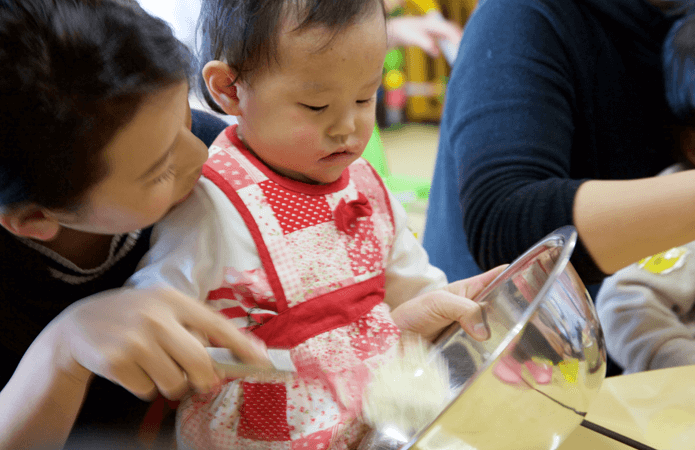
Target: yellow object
[421,69]
[424,6]
[664,262]
[569,370]
[394,79]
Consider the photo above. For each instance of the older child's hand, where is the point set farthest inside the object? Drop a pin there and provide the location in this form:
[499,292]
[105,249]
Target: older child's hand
[146,341]
[429,313]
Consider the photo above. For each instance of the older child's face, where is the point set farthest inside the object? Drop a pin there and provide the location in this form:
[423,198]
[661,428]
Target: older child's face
[153,164]
[312,116]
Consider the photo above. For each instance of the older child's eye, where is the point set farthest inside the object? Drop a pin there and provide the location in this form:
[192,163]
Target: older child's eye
[166,176]
[315,108]
[362,102]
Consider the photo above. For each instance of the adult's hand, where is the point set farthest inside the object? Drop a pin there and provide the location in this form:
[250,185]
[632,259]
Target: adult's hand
[423,31]
[428,314]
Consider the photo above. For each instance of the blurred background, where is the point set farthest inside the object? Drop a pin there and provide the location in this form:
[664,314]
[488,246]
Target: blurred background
[410,101]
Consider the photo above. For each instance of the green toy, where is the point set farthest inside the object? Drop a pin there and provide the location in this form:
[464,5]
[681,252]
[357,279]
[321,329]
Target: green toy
[394,60]
[407,189]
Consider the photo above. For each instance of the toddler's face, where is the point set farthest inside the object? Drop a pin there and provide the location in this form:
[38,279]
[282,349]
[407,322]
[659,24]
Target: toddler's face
[311,117]
[153,163]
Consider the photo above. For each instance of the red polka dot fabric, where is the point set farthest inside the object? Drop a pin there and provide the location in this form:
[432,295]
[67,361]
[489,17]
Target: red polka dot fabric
[295,211]
[263,415]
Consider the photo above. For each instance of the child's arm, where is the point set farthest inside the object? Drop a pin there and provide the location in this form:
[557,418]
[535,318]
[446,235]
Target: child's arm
[195,244]
[40,403]
[184,250]
[142,340]
[647,317]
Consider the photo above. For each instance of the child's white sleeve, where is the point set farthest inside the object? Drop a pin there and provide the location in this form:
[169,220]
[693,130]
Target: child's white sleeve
[183,250]
[647,312]
[194,244]
[408,270]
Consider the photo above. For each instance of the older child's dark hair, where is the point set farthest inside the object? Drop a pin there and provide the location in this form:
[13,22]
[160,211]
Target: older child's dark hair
[244,33]
[72,73]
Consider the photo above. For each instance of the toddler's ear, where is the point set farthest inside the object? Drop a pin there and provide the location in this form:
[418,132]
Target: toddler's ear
[30,222]
[218,78]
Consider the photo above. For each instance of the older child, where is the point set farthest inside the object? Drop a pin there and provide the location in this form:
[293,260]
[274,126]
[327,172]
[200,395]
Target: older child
[95,146]
[647,310]
[296,238]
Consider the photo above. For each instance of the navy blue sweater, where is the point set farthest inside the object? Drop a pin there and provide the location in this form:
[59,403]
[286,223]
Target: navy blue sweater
[545,95]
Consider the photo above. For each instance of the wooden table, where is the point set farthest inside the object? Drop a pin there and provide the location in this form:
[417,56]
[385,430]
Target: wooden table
[656,408]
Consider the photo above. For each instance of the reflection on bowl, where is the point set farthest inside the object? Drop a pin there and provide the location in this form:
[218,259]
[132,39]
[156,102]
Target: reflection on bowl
[530,384]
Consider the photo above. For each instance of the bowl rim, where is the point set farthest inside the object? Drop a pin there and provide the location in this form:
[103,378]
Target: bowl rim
[565,236]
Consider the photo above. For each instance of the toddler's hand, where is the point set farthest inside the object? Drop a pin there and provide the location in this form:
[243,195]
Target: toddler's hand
[428,314]
[146,341]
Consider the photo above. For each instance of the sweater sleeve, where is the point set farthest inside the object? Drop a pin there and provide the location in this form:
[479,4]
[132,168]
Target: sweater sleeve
[647,312]
[408,270]
[509,121]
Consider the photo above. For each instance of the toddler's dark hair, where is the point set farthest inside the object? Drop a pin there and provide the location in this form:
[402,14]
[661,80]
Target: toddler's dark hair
[72,73]
[679,67]
[244,33]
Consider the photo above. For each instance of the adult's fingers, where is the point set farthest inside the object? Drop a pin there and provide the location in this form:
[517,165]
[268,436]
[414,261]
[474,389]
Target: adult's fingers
[430,313]
[471,287]
[466,312]
[425,42]
[445,29]
[411,31]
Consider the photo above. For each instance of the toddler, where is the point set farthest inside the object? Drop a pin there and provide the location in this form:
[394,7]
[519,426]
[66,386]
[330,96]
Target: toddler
[296,238]
[647,310]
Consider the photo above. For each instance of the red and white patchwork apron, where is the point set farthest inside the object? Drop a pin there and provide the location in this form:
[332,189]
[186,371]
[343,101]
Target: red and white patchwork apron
[319,293]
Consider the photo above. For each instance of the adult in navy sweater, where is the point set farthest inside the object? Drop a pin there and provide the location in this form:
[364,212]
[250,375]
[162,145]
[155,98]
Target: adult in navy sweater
[552,105]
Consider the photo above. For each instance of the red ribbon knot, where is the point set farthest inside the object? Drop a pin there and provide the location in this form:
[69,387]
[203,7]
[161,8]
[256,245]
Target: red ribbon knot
[347,213]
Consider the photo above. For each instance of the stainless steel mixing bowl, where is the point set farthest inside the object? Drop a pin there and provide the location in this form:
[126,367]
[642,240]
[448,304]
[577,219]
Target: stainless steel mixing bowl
[530,384]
